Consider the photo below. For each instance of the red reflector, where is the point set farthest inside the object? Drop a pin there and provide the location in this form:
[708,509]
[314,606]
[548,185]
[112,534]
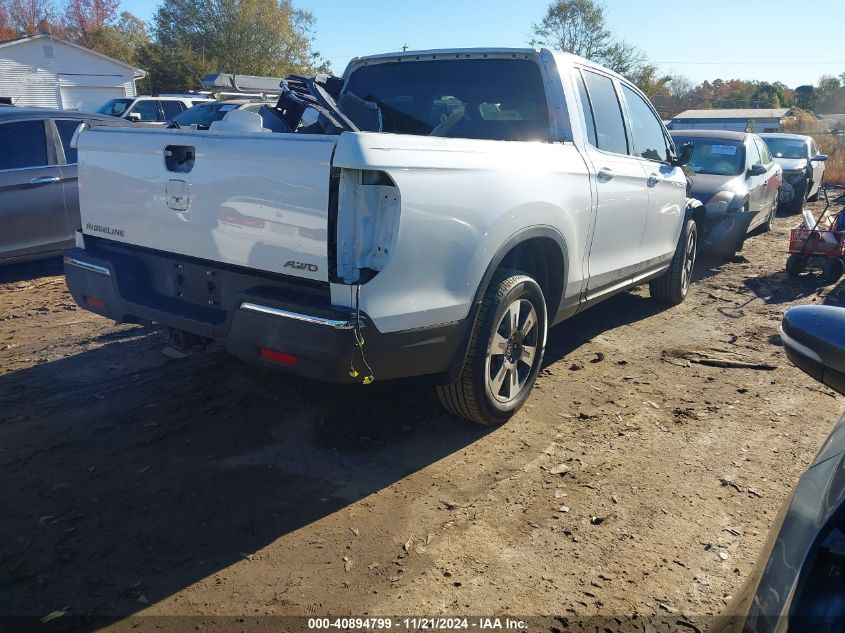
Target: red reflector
[277,356]
[233,217]
[95,302]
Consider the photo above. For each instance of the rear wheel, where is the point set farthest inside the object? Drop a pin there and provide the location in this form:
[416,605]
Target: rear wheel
[767,225]
[504,354]
[795,265]
[673,285]
[832,270]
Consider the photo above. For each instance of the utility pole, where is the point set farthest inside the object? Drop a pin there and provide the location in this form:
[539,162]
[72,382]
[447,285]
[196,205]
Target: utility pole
[404,47]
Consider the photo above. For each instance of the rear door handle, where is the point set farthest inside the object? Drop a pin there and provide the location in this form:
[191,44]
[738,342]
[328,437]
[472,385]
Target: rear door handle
[44,180]
[653,179]
[604,175]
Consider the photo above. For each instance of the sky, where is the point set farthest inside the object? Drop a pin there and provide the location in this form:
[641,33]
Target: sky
[726,39]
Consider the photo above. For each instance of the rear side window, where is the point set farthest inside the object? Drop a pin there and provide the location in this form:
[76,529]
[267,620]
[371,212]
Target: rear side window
[172,109]
[24,144]
[148,109]
[498,99]
[589,121]
[647,130]
[607,113]
[66,128]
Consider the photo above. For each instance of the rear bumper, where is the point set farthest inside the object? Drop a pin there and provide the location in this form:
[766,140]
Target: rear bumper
[249,312]
[724,233]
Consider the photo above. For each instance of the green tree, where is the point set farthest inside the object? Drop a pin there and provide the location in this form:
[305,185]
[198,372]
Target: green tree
[805,97]
[123,40]
[580,27]
[830,95]
[767,95]
[247,37]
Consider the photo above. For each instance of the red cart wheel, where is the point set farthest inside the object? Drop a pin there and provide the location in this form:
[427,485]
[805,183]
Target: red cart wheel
[832,270]
[795,265]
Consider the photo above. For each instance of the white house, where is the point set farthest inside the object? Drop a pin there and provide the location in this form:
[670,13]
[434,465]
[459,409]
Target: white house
[47,72]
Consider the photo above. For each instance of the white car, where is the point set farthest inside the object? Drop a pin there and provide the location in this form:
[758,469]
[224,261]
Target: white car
[803,168]
[202,115]
[430,213]
[145,109]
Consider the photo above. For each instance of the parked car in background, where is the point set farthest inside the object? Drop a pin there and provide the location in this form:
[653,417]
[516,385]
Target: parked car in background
[149,109]
[798,583]
[735,176]
[803,168]
[39,202]
[203,115]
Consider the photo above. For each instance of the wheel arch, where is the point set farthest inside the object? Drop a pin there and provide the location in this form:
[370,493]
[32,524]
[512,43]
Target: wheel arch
[539,251]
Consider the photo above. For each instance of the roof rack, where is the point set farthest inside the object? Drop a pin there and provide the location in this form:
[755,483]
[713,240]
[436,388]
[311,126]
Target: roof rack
[247,85]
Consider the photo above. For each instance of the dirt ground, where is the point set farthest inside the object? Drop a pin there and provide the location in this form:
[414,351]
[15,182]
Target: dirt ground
[138,484]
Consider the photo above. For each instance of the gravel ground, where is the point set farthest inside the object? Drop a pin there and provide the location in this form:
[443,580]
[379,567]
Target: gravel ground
[136,484]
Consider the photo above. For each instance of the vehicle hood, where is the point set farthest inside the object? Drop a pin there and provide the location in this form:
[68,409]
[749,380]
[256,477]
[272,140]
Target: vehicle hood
[792,164]
[705,186]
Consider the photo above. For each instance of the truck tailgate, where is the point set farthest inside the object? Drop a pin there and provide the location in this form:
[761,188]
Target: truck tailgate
[254,200]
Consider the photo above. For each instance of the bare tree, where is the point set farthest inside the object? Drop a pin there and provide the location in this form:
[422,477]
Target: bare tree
[30,17]
[580,27]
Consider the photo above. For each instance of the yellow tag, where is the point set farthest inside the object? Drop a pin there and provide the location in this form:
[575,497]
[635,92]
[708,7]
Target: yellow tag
[353,373]
[368,380]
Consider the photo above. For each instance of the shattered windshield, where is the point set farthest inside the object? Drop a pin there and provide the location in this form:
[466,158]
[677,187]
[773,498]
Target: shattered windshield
[501,99]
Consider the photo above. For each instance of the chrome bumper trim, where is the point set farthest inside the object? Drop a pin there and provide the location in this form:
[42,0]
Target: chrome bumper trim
[802,349]
[335,324]
[94,268]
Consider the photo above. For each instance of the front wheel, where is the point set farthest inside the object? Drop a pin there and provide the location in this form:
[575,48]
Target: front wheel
[767,225]
[673,285]
[504,354]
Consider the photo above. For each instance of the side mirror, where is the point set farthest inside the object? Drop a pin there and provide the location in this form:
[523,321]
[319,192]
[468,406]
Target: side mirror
[757,170]
[134,117]
[819,157]
[684,156]
[814,340]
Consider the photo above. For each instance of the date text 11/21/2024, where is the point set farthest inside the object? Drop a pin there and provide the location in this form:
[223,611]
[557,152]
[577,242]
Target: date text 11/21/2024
[418,623]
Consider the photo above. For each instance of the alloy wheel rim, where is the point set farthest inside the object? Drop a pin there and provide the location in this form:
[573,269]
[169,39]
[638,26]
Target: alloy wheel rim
[689,261]
[513,351]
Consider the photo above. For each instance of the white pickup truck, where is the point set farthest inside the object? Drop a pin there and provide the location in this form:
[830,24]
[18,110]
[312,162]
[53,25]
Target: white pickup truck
[430,213]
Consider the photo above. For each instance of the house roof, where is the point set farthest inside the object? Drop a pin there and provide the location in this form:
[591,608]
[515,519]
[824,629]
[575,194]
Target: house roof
[137,72]
[734,113]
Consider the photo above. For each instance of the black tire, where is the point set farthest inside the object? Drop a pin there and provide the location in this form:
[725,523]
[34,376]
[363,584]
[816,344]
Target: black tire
[767,225]
[832,270]
[471,395]
[795,264]
[673,285]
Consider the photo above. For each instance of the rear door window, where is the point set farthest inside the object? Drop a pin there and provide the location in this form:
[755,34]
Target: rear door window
[24,144]
[498,99]
[66,128]
[589,121]
[607,113]
[147,109]
[647,130]
[172,109]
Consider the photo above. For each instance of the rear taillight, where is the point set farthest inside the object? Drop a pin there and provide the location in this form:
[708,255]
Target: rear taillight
[314,234]
[94,302]
[276,356]
[238,219]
